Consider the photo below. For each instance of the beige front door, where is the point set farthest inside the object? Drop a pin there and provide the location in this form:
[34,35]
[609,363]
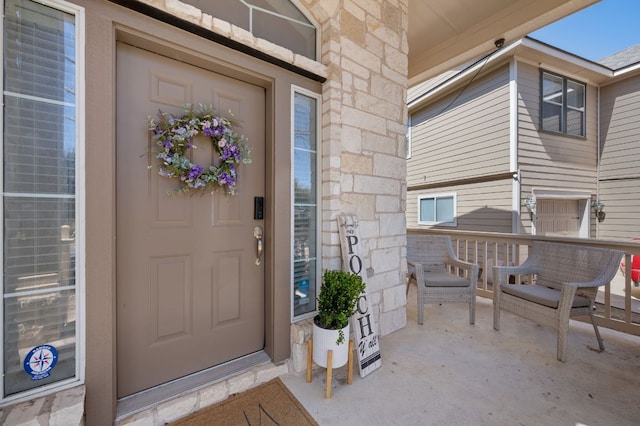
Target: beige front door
[189,292]
[558,217]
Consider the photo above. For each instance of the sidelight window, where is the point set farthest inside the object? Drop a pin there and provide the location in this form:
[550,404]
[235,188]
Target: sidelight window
[42,214]
[306,267]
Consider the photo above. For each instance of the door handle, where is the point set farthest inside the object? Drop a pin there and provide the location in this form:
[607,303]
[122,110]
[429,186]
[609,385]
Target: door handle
[257,233]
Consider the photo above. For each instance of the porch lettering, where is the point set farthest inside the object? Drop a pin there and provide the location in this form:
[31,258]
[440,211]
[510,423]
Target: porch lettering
[362,322]
[362,305]
[352,240]
[355,267]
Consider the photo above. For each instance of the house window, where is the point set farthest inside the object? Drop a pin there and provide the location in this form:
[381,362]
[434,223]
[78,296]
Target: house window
[439,209]
[306,270]
[42,212]
[563,103]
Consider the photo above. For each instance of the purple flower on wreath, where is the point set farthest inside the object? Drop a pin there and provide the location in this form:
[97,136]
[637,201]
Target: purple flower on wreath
[230,151]
[226,179]
[194,172]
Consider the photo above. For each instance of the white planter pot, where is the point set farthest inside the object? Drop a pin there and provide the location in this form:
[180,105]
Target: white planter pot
[324,340]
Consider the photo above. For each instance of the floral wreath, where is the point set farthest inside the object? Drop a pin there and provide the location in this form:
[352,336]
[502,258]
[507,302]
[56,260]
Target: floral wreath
[173,137]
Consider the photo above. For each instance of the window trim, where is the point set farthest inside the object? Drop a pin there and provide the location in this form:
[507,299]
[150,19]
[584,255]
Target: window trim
[318,97]
[80,214]
[408,138]
[435,197]
[564,107]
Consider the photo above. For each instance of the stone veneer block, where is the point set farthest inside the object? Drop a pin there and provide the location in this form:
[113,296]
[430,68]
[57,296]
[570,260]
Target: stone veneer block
[177,408]
[68,407]
[159,4]
[213,394]
[264,375]
[221,27]
[242,35]
[64,408]
[308,63]
[392,321]
[242,382]
[183,11]
[394,298]
[25,413]
[274,50]
[300,334]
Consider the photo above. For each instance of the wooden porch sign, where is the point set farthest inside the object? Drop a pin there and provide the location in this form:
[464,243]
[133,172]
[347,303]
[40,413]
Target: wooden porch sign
[362,322]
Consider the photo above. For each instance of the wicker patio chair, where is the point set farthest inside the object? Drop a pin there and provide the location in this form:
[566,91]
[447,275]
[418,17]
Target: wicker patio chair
[565,284]
[439,275]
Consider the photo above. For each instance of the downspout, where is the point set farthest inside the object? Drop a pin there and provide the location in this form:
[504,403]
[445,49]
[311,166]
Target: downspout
[513,147]
[598,141]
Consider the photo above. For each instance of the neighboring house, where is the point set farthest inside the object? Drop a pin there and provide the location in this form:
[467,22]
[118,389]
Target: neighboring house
[157,305]
[529,139]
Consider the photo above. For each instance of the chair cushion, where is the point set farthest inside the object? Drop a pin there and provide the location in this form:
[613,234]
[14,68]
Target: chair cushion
[541,295]
[445,279]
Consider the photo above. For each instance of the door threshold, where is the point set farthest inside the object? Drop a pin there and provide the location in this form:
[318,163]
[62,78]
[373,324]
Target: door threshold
[150,397]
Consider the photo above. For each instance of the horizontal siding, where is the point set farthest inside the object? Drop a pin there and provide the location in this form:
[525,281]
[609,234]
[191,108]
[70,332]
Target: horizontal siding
[622,205]
[421,88]
[482,206]
[549,160]
[620,130]
[453,136]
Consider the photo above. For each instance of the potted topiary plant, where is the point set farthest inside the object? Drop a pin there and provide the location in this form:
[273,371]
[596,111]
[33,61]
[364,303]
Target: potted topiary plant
[337,301]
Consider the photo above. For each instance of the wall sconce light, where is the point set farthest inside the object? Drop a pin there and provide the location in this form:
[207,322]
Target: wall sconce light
[598,207]
[530,204]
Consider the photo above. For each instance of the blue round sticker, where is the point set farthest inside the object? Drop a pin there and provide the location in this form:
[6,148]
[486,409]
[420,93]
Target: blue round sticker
[40,361]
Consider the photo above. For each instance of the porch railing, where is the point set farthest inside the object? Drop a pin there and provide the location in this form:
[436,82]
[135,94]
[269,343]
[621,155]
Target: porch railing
[613,310]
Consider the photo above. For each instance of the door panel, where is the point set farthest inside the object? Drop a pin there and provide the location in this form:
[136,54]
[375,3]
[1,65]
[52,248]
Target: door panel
[189,292]
[558,217]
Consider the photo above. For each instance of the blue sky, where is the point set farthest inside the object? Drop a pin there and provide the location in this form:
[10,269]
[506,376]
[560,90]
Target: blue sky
[598,31]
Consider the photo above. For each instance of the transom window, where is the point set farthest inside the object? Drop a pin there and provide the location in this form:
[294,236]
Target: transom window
[438,209]
[562,105]
[278,21]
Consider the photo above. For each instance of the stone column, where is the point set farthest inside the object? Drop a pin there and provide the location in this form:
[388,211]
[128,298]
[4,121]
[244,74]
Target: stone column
[364,48]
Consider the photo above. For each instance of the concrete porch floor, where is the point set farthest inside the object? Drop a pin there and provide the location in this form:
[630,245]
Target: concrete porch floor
[448,372]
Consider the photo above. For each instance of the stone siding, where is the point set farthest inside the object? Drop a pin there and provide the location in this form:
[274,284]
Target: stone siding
[64,408]
[364,47]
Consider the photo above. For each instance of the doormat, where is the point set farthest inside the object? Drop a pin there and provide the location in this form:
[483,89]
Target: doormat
[270,404]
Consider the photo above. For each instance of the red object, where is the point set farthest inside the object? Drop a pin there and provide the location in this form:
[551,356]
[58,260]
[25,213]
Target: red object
[635,266]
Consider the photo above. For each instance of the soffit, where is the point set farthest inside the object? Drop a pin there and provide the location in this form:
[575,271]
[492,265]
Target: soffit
[445,33]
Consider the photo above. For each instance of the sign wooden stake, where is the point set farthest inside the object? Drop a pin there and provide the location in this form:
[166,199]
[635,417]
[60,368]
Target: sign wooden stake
[362,322]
